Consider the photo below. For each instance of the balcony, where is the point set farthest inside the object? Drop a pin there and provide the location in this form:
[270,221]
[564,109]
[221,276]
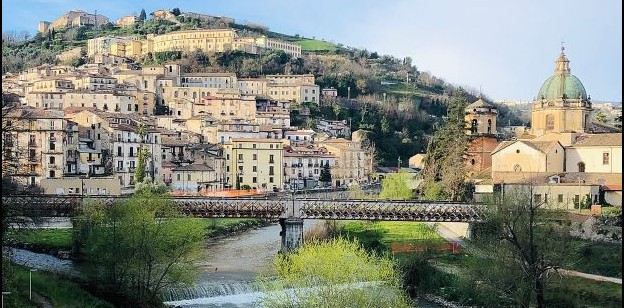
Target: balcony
[33,159]
[316,165]
[120,169]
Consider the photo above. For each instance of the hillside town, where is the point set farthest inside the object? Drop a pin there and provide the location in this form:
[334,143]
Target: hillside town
[179,159]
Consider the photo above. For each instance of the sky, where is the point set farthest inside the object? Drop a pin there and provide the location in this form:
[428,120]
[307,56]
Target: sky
[504,48]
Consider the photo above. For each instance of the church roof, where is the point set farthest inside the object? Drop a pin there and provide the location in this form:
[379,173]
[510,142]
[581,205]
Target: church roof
[542,146]
[480,103]
[590,140]
[562,84]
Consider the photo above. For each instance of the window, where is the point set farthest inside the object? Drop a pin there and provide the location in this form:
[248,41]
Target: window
[271,179]
[188,177]
[560,198]
[271,159]
[52,173]
[240,157]
[581,167]
[255,169]
[52,146]
[271,170]
[517,168]
[52,160]
[605,158]
[550,122]
[537,198]
[254,180]
[255,156]
[178,176]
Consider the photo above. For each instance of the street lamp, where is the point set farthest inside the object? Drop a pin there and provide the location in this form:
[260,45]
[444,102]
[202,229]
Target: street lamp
[30,283]
[3,294]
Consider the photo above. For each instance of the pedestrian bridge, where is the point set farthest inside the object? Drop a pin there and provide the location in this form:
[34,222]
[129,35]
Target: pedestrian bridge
[268,208]
[290,212]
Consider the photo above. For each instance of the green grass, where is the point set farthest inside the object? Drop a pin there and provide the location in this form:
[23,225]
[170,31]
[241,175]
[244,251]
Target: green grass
[580,292]
[51,238]
[62,238]
[378,236]
[315,45]
[597,258]
[58,291]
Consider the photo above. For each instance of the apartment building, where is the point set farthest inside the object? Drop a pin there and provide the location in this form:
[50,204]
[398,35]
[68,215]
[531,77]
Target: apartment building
[352,165]
[254,162]
[34,143]
[303,165]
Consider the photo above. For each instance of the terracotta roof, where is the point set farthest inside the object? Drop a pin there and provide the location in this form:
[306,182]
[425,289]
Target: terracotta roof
[566,178]
[602,128]
[590,140]
[542,146]
[196,166]
[26,112]
[480,103]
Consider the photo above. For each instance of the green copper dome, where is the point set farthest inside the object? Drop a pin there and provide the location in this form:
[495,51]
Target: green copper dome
[557,86]
[562,84]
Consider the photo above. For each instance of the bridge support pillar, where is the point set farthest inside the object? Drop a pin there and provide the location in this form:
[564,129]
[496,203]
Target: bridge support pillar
[292,233]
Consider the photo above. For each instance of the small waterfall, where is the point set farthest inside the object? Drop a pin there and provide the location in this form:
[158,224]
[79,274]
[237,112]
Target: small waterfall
[206,290]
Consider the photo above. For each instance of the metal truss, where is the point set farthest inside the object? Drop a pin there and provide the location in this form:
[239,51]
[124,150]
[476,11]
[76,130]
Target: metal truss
[345,209]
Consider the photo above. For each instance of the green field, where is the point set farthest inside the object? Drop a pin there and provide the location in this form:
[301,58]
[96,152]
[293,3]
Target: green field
[51,238]
[315,45]
[379,236]
[61,238]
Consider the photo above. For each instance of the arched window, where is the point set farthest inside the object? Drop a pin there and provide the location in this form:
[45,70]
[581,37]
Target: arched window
[472,161]
[517,168]
[473,126]
[489,127]
[550,122]
[581,167]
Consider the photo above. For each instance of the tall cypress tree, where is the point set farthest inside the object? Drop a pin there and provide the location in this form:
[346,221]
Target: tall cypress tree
[444,162]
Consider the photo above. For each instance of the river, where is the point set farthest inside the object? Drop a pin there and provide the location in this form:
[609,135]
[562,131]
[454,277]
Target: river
[227,271]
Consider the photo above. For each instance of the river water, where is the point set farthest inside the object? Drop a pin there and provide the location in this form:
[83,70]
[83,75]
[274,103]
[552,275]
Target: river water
[227,272]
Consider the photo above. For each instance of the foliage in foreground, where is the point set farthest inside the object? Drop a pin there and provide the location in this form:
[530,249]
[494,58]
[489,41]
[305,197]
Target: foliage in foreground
[337,273]
[137,247]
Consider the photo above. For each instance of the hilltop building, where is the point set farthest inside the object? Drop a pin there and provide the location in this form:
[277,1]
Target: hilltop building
[74,18]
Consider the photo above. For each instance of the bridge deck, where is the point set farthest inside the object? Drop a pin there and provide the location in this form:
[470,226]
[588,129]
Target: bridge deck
[271,208]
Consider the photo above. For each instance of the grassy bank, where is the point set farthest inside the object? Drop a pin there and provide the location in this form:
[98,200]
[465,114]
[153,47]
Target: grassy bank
[444,274]
[62,238]
[51,289]
[379,236]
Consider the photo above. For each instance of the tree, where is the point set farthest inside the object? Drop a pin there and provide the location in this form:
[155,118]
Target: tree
[325,176]
[396,187]
[153,247]
[526,242]
[337,273]
[175,11]
[601,117]
[444,162]
[142,15]
[143,155]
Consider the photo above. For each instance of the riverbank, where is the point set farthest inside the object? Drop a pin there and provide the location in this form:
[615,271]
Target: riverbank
[57,243]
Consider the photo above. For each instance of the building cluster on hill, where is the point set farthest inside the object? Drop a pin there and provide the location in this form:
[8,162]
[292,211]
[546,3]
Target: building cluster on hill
[207,40]
[82,131]
[564,156]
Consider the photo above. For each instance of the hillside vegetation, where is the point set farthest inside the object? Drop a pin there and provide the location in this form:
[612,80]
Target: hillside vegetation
[388,97]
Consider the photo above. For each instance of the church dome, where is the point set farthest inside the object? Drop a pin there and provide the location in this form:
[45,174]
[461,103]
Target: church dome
[562,84]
